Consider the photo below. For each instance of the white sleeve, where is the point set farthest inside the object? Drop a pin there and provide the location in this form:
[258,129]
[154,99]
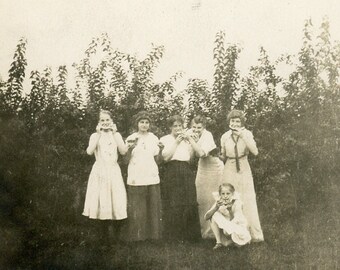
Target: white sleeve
[207,142]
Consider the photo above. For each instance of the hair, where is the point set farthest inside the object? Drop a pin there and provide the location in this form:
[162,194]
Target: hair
[106,112]
[175,118]
[199,119]
[226,185]
[236,114]
[142,115]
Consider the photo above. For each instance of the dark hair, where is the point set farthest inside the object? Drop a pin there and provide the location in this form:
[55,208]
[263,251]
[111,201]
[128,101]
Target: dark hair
[142,115]
[175,118]
[106,112]
[226,185]
[236,114]
[199,119]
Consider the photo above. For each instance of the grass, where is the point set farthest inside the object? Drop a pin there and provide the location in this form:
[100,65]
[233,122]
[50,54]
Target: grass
[74,249]
[306,237]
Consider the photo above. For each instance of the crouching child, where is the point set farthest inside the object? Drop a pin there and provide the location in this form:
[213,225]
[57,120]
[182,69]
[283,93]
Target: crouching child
[227,221]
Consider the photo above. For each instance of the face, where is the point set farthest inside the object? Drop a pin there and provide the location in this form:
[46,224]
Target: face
[176,128]
[105,120]
[197,128]
[143,125]
[225,193]
[235,123]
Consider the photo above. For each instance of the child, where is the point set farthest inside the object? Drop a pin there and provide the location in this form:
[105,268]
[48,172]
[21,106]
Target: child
[226,218]
[106,194]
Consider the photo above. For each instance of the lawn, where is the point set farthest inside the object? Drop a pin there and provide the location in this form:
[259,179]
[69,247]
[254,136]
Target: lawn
[313,245]
[306,237]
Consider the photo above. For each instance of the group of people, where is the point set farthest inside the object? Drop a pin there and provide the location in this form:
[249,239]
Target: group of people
[218,201]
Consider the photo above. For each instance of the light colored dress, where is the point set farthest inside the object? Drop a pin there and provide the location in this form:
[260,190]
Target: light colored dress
[242,180]
[208,178]
[106,194]
[231,220]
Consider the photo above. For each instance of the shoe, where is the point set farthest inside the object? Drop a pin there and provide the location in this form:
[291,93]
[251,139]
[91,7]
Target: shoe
[217,246]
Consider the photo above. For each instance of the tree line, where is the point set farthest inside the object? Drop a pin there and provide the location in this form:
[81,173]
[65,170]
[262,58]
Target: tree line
[44,133]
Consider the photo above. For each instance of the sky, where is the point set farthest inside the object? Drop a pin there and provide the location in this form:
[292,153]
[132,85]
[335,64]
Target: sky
[59,31]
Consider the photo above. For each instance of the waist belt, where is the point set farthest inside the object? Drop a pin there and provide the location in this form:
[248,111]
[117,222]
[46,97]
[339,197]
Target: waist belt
[238,157]
[238,161]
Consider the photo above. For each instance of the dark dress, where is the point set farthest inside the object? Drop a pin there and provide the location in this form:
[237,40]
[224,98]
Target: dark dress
[179,200]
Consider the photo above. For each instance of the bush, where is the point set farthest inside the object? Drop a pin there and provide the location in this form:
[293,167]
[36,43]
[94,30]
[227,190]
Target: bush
[44,134]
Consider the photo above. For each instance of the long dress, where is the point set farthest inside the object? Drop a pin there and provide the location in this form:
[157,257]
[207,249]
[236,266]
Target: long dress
[180,212]
[242,180]
[144,198]
[231,220]
[106,194]
[208,178]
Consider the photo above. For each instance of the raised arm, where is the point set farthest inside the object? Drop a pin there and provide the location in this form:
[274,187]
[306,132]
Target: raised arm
[197,148]
[122,148]
[208,215]
[169,150]
[248,139]
[94,139]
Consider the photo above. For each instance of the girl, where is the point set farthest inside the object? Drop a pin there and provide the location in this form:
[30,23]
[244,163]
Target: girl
[144,201]
[181,221]
[209,172]
[236,144]
[226,218]
[106,194]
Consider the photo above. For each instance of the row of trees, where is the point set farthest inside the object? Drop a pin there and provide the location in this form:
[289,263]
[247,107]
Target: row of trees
[43,133]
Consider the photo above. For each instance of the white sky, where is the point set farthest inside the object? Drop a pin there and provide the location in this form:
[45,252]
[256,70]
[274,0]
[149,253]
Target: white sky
[59,31]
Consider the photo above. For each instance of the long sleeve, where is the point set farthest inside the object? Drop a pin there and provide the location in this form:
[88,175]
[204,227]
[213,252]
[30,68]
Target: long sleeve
[120,143]
[223,140]
[248,138]
[206,142]
[92,143]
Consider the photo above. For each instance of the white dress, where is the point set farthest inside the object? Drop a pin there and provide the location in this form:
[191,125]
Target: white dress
[242,180]
[232,222]
[106,194]
[208,178]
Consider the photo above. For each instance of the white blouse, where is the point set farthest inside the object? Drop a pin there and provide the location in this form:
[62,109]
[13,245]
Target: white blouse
[227,143]
[206,142]
[143,169]
[183,151]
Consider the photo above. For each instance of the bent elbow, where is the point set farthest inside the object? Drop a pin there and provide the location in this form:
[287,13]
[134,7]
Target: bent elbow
[166,159]
[123,151]
[201,154]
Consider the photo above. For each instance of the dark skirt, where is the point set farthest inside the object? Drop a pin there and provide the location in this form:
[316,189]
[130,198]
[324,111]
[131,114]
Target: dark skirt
[144,213]
[179,202]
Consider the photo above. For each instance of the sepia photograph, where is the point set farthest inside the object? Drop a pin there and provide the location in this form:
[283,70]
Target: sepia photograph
[170,134]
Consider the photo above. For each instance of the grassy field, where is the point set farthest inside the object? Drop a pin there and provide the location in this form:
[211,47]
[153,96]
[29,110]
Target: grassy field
[295,238]
[313,254]
[312,243]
